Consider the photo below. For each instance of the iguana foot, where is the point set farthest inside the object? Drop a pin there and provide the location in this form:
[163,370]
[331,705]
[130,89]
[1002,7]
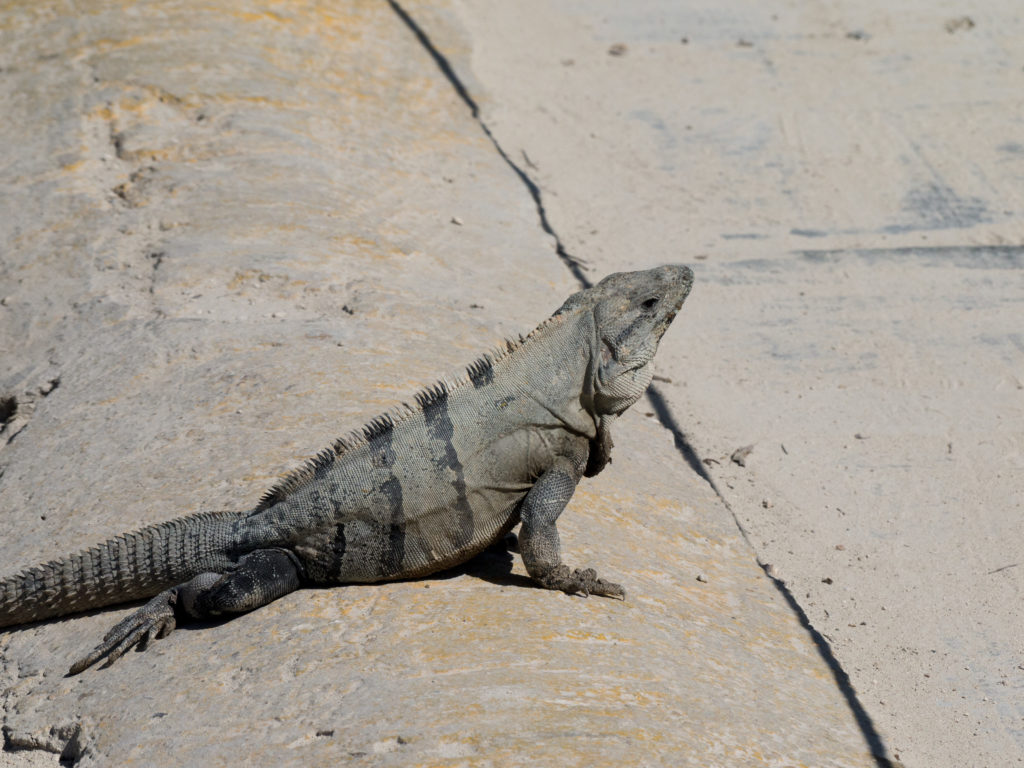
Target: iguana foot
[152,621]
[582,581]
[258,578]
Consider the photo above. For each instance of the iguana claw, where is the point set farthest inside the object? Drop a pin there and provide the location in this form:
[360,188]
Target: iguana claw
[581,581]
[154,620]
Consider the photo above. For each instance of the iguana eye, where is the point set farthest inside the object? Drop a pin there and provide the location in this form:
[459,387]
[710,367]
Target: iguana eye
[650,303]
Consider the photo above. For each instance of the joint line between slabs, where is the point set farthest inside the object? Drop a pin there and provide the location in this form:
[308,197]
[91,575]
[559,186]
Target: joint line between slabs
[683,446]
[574,264]
[876,745]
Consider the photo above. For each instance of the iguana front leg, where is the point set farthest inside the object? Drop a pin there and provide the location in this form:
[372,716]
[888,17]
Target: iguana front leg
[260,577]
[538,538]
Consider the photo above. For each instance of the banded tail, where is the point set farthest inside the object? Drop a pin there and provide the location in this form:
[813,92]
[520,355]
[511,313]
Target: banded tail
[126,568]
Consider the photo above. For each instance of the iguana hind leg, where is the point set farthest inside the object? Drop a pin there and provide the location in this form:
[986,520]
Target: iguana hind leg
[539,544]
[259,578]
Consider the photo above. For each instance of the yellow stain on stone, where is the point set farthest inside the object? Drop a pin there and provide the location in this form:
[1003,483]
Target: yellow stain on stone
[355,245]
[264,16]
[107,45]
[303,17]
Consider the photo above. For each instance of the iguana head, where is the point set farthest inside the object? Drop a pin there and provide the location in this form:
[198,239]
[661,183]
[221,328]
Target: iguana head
[632,311]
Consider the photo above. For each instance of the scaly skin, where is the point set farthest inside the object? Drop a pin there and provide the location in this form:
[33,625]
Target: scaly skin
[417,490]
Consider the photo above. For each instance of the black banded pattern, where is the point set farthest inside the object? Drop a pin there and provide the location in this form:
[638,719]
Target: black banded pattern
[441,430]
[478,373]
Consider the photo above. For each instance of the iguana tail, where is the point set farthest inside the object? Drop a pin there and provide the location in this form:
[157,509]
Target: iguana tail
[125,568]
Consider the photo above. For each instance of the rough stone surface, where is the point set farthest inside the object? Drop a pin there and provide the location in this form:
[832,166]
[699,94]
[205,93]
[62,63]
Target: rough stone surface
[230,235]
[478,667]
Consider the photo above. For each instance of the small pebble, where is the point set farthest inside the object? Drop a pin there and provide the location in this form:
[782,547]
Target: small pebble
[962,22]
[739,456]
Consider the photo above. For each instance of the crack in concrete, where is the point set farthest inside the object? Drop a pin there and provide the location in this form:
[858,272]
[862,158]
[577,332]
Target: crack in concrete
[16,411]
[876,745]
[573,263]
[66,740]
[879,752]
[156,259]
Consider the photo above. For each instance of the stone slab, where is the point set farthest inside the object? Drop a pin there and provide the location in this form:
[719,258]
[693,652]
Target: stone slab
[846,179]
[232,235]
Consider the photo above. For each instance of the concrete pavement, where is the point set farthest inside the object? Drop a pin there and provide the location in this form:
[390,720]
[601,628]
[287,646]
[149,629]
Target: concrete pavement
[230,236]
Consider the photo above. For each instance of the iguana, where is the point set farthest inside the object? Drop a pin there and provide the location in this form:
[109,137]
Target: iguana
[417,490]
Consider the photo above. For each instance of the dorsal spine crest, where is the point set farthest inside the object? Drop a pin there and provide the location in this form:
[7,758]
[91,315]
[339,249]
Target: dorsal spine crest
[480,370]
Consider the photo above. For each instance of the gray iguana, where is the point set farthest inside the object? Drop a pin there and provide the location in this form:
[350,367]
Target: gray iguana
[417,490]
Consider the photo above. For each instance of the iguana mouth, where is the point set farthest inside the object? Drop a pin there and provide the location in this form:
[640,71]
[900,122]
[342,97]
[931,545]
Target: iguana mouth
[667,321]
